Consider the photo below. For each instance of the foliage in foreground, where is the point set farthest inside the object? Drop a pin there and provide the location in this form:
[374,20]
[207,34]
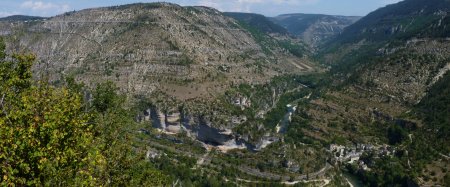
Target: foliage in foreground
[51,136]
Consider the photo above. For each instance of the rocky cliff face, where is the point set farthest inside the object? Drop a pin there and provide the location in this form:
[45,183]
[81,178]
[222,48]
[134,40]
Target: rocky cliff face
[148,47]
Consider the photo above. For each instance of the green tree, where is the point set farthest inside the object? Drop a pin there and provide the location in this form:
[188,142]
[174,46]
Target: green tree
[105,97]
[46,137]
[124,166]
[396,134]
[49,138]
[447,179]
[2,49]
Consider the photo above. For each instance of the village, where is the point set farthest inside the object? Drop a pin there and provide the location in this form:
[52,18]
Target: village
[353,154]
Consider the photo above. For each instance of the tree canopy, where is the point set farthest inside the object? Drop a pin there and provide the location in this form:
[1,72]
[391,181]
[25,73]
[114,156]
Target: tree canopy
[51,136]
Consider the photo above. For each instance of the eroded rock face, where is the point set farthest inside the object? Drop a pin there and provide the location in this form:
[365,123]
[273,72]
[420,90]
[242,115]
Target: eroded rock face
[201,128]
[146,47]
[173,122]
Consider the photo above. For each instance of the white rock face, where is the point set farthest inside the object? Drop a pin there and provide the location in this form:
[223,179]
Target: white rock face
[441,73]
[174,128]
[265,141]
[230,145]
[162,119]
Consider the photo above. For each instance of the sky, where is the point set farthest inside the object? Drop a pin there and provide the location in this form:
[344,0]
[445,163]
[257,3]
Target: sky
[266,7]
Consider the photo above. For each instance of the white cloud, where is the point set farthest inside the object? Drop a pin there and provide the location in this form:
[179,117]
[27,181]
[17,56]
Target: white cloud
[231,5]
[210,3]
[249,5]
[45,7]
[295,2]
[289,2]
[250,1]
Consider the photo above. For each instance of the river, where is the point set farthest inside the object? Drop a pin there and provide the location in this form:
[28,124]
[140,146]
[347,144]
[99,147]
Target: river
[284,123]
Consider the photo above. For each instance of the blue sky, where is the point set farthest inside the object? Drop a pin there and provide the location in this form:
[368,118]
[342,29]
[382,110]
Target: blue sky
[266,7]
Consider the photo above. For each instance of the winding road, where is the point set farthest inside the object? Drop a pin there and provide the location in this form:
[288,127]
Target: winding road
[205,159]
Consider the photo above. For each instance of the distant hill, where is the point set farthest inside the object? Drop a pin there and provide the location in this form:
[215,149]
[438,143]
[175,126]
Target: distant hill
[21,18]
[258,21]
[389,27]
[412,33]
[399,54]
[406,19]
[269,33]
[148,47]
[314,28]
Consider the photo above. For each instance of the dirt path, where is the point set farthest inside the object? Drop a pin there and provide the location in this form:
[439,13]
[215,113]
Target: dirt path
[325,181]
[300,65]
[205,159]
[349,183]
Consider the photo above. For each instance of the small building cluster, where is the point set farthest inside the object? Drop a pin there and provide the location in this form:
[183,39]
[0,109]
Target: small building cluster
[242,102]
[352,154]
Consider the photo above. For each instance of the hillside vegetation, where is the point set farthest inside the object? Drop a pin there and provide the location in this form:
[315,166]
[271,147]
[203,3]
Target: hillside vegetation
[156,94]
